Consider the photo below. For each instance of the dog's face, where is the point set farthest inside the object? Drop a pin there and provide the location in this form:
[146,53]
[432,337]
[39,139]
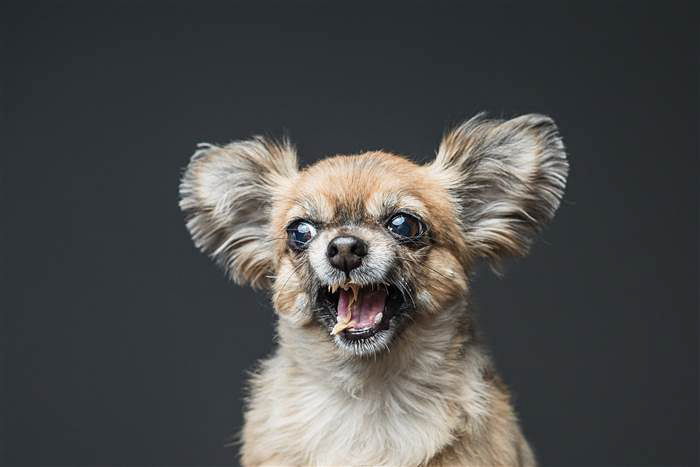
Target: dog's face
[361,244]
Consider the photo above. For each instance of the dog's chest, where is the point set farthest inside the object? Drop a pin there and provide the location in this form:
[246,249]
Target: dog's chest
[397,422]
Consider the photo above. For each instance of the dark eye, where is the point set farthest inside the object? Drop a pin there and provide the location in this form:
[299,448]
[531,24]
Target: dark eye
[300,233]
[403,225]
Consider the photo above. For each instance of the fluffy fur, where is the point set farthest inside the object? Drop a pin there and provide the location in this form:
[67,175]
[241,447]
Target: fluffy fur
[421,390]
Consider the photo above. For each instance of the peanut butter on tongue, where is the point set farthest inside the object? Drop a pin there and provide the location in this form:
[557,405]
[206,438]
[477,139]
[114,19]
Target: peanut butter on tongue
[347,319]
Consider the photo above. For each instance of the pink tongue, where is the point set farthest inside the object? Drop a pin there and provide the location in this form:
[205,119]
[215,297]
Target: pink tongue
[368,305]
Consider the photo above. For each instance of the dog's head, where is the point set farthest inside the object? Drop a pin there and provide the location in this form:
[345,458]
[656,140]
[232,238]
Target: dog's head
[361,244]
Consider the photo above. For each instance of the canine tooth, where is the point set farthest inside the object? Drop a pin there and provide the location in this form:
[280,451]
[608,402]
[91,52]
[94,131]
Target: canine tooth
[355,292]
[339,326]
[378,318]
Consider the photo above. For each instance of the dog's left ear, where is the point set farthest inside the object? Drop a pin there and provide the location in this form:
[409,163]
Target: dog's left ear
[506,179]
[226,195]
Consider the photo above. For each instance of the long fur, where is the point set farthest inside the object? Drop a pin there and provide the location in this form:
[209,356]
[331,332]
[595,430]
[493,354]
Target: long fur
[423,390]
[507,177]
[226,195]
[441,405]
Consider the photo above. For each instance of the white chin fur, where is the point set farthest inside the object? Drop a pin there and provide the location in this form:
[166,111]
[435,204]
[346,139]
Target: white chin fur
[372,345]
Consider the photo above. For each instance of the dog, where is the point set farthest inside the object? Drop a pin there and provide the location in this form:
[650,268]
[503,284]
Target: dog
[368,259]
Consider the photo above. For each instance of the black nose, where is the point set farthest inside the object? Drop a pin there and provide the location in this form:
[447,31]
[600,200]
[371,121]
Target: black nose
[346,252]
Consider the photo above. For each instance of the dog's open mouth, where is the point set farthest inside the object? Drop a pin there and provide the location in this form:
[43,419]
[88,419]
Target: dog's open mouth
[361,311]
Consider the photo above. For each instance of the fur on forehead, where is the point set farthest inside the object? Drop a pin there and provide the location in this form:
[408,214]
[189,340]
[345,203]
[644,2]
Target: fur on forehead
[365,188]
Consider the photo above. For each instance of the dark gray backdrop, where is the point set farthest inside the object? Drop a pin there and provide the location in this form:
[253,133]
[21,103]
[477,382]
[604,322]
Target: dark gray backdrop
[124,345]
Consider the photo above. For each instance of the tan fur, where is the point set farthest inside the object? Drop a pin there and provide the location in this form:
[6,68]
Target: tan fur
[425,393]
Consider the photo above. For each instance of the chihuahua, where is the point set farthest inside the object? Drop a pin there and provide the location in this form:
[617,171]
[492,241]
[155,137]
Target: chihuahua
[368,258]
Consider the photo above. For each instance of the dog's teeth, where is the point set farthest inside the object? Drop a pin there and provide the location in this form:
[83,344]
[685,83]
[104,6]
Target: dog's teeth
[342,323]
[378,318]
[355,292]
[339,327]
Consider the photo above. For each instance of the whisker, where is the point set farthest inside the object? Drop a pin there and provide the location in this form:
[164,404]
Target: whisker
[411,260]
[293,271]
[404,290]
[272,239]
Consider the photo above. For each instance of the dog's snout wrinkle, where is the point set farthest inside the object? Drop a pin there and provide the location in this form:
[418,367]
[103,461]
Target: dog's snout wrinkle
[345,252]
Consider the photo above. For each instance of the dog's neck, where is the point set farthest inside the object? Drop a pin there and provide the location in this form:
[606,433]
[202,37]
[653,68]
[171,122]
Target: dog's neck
[427,356]
[427,387]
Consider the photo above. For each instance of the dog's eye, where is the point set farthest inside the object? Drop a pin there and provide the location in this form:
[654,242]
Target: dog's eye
[403,225]
[300,233]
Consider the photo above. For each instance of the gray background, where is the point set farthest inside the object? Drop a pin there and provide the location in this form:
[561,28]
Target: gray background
[123,345]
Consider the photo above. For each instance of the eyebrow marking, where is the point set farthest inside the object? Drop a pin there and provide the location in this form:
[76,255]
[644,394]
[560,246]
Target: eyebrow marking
[385,204]
[312,207]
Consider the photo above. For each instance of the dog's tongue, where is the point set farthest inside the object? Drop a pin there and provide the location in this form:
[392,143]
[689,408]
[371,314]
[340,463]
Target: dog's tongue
[365,311]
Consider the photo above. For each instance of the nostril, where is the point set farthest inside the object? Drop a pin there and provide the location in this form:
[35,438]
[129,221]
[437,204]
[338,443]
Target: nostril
[359,248]
[332,250]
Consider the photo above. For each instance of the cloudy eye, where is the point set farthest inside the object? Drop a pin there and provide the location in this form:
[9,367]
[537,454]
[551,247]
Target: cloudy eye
[300,233]
[405,226]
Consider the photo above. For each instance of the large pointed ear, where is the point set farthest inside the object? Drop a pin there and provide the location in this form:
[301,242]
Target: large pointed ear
[226,194]
[506,179]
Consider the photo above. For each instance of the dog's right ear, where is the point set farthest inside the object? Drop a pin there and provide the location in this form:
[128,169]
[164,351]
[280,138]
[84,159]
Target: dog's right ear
[226,194]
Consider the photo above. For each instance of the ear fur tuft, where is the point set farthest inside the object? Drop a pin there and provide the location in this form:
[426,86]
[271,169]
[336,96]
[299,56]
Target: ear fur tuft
[226,194]
[507,179]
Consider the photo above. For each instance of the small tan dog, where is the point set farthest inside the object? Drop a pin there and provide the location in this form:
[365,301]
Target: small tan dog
[368,258]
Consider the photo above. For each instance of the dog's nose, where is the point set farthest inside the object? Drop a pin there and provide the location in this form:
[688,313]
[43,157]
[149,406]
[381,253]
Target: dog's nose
[346,252]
